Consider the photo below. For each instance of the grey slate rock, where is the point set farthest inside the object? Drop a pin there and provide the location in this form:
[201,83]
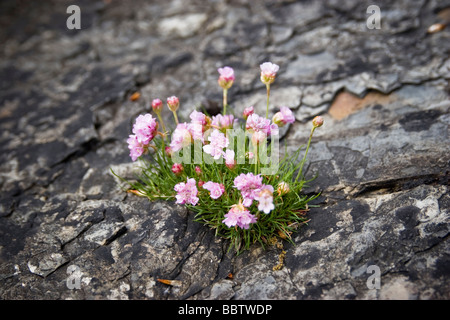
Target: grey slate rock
[383,169]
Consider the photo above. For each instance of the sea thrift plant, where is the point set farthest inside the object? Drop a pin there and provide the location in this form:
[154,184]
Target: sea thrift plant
[218,166]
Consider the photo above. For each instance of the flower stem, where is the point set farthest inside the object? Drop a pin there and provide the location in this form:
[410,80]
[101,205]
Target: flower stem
[306,152]
[162,122]
[268,95]
[175,116]
[225,93]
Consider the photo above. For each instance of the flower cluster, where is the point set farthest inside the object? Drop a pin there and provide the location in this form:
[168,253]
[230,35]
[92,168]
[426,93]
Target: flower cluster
[231,194]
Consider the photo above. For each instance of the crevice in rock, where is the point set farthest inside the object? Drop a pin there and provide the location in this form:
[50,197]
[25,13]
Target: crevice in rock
[401,184]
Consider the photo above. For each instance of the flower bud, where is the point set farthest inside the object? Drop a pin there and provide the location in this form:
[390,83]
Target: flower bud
[168,151]
[201,183]
[268,72]
[226,77]
[317,121]
[173,103]
[283,188]
[198,171]
[157,105]
[278,119]
[177,168]
[247,112]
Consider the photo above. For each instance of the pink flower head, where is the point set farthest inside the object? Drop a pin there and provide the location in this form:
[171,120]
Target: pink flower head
[218,141]
[229,159]
[196,131]
[239,216]
[264,196]
[173,103]
[186,192]
[215,189]
[177,168]
[223,122]
[247,112]
[198,117]
[197,125]
[283,117]
[181,137]
[136,147]
[268,72]
[258,137]
[157,105]
[226,77]
[256,123]
[248,184]
[145,128]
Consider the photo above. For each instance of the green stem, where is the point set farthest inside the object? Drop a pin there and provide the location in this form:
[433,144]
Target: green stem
[225,93]
[162,122]
[175,116]
[306,152]
[268,95]
[255,155]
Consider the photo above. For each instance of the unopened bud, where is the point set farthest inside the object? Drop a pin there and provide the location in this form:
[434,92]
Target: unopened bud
[168,151]
[157,105]
[226,77]
[317,121]
[173,103]
[177,168]
[283,188]
[247,112]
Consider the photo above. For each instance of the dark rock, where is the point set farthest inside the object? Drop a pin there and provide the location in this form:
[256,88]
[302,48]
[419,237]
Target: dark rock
[69,231]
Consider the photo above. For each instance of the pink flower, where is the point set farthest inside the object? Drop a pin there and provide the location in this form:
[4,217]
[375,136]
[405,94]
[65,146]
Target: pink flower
[248,184]
[268,72]
[223,122]
[215,189]
[157,105]
[229,159]
[226,77]
[181,137]
[264,196]
[247,112]
[283,117]
[177,168]
[197,125]
[136,147]
[196,130]
[173,103]
[145,128]
[239,216]
[198,117]
[186,192]
[218,141]
[257,123]
[258,137]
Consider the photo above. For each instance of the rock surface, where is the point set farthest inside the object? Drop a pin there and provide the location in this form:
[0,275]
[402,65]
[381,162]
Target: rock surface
[68,231]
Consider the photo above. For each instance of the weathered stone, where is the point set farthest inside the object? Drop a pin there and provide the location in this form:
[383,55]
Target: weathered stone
[68,229]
